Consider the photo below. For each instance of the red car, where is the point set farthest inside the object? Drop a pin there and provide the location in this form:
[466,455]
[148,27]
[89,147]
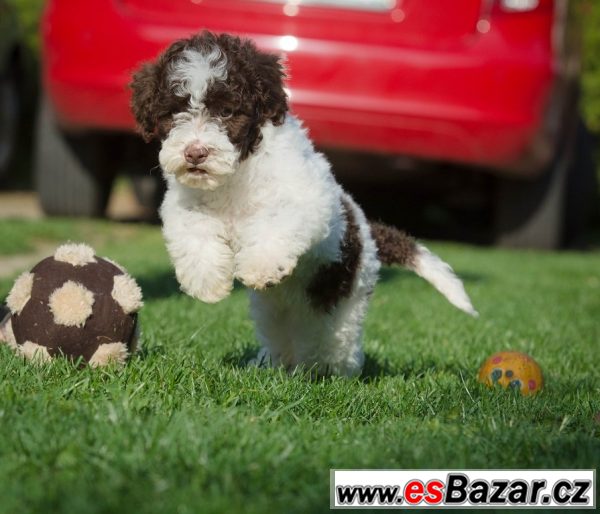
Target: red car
[485,83]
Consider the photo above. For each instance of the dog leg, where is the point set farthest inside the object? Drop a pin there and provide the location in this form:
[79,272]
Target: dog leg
[271,243]
[270,317]
[261,267]
[200,253]
[268,252]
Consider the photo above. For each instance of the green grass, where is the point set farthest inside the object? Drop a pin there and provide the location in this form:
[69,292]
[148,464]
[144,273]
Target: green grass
[185,427]
[19,236]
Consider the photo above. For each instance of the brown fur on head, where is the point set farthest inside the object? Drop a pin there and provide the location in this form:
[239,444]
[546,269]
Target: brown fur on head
[251,94]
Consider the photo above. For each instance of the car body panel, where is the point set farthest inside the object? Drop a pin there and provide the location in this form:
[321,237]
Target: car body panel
[429,83]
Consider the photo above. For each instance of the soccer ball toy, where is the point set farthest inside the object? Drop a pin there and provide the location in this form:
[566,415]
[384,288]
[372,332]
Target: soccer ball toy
[74,304]
[513,370]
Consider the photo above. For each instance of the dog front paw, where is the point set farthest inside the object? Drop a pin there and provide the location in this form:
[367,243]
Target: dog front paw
[206,289]
[215,294]
[258,270]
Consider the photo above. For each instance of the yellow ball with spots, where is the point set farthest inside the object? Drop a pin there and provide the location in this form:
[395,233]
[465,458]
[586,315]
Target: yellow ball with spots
[514,370]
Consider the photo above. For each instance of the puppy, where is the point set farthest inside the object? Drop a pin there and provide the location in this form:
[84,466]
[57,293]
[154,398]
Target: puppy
[250,199]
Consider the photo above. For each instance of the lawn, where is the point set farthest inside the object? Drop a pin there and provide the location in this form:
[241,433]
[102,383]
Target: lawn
[186,427]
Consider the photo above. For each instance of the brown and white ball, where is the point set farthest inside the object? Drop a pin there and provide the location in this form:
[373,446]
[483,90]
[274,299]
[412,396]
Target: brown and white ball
[74,304]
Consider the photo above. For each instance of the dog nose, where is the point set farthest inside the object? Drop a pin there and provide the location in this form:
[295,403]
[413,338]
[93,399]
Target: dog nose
[195,153]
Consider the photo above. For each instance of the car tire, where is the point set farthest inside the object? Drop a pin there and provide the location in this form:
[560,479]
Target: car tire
[72,175]
[548,211]
[9,119]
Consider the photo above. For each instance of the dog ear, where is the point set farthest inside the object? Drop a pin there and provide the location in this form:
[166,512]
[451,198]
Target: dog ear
[145,99]
[272,103]
[152,100]
[262,91]
[268,97]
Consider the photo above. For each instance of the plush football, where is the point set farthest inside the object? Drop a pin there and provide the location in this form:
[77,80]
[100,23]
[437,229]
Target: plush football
[513,370]
[77,305]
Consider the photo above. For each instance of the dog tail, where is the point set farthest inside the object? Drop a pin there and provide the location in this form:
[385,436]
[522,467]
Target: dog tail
[397,247]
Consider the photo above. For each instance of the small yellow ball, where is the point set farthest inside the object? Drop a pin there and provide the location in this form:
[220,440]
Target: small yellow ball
[513,370]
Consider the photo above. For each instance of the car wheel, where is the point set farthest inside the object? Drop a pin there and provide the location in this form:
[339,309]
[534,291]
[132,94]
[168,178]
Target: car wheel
[548,211]
[9,118]
[72,174]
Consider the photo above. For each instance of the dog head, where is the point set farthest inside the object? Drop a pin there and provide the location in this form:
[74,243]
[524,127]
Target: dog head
[207,98]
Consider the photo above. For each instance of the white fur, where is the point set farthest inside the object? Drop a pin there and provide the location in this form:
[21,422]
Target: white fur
[270,221]
[197,127]
[433,269]
[193,71]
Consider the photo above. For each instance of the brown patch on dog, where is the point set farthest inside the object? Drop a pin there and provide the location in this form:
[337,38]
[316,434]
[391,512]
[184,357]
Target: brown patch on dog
[335,280]
[251,95]
[393,246]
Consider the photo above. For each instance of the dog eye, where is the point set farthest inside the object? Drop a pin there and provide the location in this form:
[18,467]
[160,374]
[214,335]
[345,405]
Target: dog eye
[226,112]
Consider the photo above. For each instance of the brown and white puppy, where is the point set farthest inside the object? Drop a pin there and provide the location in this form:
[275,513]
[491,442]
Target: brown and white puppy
[249,198]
